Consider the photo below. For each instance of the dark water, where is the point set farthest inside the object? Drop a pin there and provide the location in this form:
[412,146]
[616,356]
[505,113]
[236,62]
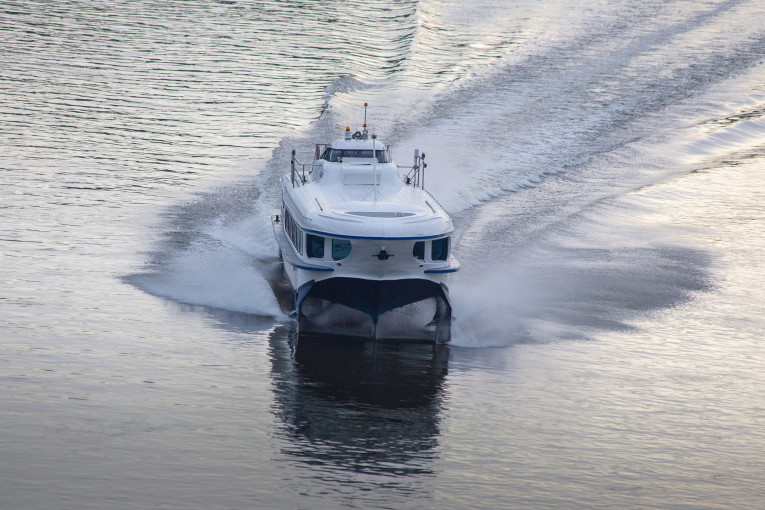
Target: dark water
[605,167]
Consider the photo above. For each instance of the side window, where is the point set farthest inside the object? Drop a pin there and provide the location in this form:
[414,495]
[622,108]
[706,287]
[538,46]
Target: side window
[439,249]
[326,154]
[314,246]
[341,248]
[419,250]
[293,231]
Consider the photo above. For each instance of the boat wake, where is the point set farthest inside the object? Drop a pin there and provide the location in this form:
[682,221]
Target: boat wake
[538,148]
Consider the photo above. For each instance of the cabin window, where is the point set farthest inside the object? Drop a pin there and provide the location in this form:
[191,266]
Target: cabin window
[419,250]
[335,155]
[439,249]
[293,231]
[314,246]
[341,248]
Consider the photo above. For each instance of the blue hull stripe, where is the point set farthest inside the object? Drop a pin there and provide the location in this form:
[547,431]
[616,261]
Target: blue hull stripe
[312,268]
[451,270]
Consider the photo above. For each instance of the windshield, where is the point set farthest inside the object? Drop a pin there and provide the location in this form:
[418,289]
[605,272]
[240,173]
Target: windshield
[335,155]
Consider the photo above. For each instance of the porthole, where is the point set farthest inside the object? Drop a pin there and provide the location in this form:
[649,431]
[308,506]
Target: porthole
[341,248]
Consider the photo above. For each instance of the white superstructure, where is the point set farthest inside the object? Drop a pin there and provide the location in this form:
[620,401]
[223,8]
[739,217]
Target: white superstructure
[356,231]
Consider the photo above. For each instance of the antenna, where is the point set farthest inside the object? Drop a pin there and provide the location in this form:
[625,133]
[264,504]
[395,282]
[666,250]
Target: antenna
[365,134]
[374,162]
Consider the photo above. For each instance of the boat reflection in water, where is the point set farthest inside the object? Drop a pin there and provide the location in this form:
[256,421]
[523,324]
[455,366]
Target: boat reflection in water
[359,414]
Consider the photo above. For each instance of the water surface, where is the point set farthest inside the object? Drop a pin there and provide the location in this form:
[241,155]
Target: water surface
[604,167]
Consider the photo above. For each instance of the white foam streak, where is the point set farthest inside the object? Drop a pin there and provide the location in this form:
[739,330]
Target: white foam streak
[488,311]
[252,235]
[216,278]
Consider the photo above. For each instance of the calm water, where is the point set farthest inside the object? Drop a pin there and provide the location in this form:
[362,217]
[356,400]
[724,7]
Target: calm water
[605,166]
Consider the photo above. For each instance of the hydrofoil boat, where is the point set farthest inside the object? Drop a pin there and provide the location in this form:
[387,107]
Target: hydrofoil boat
[361,239]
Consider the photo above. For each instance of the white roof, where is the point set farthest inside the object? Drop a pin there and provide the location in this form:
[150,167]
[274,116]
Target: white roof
[340,200]
[358,144]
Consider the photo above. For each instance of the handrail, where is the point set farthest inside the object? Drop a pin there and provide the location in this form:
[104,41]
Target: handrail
[294,163]
[416,175]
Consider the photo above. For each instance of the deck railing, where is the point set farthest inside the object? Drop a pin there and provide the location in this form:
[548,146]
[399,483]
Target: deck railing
[416,174]
[297,169]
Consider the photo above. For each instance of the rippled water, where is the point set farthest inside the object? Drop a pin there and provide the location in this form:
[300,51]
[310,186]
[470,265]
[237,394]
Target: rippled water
[604,164]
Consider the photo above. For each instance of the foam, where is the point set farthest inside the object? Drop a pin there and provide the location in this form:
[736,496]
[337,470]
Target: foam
[217,278]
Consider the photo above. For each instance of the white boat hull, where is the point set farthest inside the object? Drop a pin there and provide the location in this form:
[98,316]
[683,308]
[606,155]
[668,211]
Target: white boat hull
[371,285]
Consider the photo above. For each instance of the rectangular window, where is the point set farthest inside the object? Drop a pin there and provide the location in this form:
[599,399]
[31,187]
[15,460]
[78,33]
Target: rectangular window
[439,249]
[293,231]
[314,246]
[335,155]
[419,250]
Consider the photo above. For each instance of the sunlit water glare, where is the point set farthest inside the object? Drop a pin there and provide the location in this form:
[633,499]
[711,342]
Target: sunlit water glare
[605,168]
